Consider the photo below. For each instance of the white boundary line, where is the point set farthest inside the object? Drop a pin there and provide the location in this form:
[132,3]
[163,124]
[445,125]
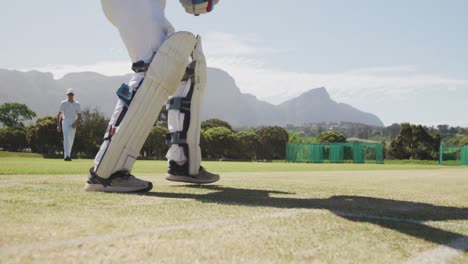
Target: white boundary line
[440,254]
[103,238]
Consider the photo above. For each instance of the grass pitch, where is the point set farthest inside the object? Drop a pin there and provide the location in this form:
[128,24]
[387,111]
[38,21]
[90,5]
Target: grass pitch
[324,213]
[35,165]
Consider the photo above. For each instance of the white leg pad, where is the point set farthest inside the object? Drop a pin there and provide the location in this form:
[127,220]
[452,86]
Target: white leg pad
[162,79]
[193,134]
[185,123]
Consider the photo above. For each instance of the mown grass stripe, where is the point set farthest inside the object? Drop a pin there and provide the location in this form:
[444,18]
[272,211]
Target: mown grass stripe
[110,237]
[461,243]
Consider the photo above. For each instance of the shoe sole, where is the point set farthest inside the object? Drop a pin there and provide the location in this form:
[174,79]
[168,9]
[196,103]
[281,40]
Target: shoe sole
[111,189]
[189,179]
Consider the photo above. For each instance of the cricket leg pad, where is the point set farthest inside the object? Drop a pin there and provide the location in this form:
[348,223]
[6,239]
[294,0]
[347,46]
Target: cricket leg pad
[163,76]
[191,105]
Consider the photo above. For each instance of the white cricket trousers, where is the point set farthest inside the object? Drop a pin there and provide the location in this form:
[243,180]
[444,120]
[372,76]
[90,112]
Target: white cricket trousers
[68,137]
[143,28]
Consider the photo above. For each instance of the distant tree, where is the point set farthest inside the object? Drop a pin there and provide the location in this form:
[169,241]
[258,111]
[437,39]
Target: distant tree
[248,145]
[293,137]
[90,132]
[14,114]
[443,130]
[415,142]
[331,137]
[464,140]
[13,138]
[399,149]
[205,140]
[44,138]
[221,142]
[155,145]
[210,123]
[273,140]
[296,138]
[385,148]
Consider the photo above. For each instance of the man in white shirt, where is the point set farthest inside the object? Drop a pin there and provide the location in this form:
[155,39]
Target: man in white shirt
[67,120]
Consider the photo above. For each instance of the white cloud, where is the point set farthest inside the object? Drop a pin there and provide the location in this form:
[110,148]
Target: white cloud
[387,70]
[275,86]
[224,44]
[238,56]
[395,93]
[220,44]
[365,88]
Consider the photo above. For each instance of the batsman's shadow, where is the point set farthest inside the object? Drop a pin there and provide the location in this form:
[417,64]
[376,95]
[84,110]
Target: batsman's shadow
[403,216]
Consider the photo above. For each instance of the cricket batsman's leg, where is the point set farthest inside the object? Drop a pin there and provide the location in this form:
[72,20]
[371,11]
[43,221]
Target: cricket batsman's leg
[137,113]
[159,63]
[184,110]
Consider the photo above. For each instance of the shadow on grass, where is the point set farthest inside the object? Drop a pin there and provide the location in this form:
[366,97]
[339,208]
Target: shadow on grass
[402,216]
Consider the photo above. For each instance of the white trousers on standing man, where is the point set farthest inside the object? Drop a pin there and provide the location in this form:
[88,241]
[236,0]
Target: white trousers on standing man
[68,136]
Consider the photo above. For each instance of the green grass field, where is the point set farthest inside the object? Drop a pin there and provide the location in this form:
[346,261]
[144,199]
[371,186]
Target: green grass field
[36,165]
[257,213]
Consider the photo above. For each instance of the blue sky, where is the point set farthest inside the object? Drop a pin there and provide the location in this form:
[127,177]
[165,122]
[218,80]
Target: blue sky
[402,60]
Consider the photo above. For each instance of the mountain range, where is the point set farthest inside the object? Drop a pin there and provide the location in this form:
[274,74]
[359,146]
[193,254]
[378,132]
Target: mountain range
[223,99]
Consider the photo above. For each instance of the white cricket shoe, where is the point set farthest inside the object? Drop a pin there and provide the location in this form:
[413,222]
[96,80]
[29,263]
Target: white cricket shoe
[180,174]
[119,182]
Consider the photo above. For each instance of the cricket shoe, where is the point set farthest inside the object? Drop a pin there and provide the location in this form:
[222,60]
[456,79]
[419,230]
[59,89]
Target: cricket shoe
[181,174]
[119,182]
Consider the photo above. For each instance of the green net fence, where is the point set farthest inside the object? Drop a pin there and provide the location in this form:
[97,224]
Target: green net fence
[464,155]
[336,153]
[314,153]
[453,155]
[355,152]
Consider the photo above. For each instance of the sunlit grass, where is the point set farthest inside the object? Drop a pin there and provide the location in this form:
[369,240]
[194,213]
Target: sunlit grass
[250,217]
[37,165]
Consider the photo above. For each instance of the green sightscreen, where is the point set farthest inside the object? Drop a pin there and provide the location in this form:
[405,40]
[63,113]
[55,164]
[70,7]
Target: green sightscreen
[355,152]
[464,155]
[453,155]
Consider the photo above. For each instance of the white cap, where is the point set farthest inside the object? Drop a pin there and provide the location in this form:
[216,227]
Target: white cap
[70,91]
